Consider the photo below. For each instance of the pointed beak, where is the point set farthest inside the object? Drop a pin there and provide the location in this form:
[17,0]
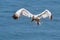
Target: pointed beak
[15,17]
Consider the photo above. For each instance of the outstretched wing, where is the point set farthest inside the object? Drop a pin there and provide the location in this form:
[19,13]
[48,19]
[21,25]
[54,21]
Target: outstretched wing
[20,12]
[45,14]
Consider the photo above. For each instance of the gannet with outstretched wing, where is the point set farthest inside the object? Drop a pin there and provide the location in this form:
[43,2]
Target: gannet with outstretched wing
[36,18]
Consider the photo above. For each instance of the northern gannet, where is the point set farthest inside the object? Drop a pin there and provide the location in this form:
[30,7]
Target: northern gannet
[35,18]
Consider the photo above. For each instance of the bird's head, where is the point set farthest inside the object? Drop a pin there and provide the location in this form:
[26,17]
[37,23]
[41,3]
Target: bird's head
[15,16]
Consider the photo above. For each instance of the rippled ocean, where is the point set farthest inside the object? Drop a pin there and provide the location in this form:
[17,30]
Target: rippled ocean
[23,28]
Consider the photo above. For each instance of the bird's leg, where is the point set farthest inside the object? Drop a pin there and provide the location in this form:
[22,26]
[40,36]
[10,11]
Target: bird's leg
[37,21]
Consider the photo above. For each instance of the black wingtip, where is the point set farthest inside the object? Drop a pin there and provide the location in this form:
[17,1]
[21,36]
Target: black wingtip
[51,17]
[15,17]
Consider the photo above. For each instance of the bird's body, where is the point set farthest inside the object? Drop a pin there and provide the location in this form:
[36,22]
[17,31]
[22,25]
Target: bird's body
[36,18]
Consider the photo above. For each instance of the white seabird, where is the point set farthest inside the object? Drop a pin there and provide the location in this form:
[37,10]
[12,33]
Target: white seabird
[36,18]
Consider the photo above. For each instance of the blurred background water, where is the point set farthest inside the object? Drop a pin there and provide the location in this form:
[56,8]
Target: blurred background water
[23,28]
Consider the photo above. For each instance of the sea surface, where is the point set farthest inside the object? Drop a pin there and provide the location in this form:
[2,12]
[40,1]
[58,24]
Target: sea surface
[23,28]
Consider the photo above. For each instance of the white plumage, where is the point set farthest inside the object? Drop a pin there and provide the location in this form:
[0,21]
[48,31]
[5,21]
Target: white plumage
[36,18]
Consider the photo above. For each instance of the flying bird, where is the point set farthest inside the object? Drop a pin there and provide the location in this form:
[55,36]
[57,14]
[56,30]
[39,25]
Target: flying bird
[46,13]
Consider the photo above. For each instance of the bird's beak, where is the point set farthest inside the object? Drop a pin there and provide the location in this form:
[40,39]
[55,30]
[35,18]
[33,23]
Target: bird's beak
[15,17]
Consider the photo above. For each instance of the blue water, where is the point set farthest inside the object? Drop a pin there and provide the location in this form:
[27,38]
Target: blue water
[20,29]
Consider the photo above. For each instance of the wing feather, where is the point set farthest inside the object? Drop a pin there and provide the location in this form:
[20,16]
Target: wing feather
[24,12]
[45,14]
